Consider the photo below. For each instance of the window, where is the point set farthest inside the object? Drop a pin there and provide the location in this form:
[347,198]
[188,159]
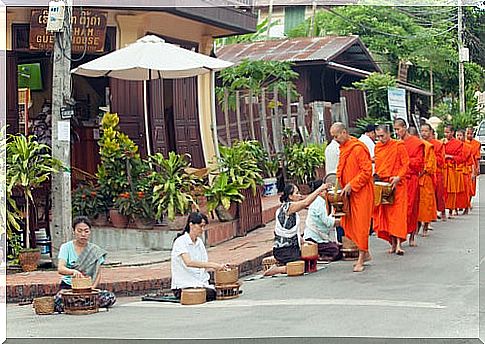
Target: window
[294,15]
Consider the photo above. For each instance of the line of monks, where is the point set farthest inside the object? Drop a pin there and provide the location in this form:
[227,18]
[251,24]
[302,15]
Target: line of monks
[427,176]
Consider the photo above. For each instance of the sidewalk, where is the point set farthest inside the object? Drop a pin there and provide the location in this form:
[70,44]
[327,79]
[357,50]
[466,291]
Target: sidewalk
[137,279]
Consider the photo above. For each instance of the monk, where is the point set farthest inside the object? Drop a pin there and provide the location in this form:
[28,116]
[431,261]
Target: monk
[391,165]
[452,179]
[467,169]
[415,149]
[427,199]
[354,173]
[440,193]
[476,146]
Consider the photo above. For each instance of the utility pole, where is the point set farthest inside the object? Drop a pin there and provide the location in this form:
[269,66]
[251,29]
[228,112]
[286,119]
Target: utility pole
[61,148]
[270,14]
[311,31]
[461,71]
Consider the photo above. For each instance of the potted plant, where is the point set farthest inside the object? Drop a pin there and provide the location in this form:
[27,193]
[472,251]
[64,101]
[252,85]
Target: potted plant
[88,201]
[172,186]
[302,162]
[223,195]
[271,167]
[29,164]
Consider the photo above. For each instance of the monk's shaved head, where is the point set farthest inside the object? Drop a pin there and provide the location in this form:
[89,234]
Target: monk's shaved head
[449,132]
[339,132]
[413,131]
[383,127]
[400,123]
[383,133]
[426,131]
[450,128]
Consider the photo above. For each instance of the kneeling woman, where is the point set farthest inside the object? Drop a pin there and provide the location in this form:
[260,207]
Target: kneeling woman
[78,258]
[189,258]
[286,245]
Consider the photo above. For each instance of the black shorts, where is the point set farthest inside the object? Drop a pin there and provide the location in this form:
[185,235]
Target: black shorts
[288,254]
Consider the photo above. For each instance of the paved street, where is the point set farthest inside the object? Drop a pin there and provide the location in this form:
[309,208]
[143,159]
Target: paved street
[432,291]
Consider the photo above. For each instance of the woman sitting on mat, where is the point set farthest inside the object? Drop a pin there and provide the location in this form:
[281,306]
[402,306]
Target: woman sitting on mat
[189,259]
[287,240]
[318,225]
[81,258]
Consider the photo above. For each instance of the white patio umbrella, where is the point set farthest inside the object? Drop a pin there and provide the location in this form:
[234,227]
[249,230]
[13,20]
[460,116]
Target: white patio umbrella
[149,58]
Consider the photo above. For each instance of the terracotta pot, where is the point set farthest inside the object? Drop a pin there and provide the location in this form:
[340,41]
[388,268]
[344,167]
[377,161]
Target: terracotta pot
[304,189]
[143,223]
[320,172]
[101,220]
[226,215]
[118,220]
[29,260]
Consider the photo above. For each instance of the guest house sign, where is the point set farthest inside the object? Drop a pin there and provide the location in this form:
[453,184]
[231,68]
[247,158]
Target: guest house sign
[88,31]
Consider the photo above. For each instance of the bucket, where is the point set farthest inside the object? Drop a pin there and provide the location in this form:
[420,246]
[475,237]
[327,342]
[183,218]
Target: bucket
[270,188]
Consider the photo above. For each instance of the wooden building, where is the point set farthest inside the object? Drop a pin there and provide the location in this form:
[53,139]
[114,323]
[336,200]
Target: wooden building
[180,110]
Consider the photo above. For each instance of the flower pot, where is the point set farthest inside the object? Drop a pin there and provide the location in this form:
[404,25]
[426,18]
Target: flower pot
[226,215]
[143,223]
[101,220]
[270,188]
[118,220]
[29,259]
[304,189]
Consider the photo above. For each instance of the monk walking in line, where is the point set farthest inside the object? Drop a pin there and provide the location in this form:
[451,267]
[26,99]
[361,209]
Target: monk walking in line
[415,149]
[452,179]
[476,145]
[427,199]
[391,163]
[440,193]
[354,173]
[467,170]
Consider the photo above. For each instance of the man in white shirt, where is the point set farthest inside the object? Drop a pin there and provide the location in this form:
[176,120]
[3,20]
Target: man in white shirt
[369,138]
[332,152]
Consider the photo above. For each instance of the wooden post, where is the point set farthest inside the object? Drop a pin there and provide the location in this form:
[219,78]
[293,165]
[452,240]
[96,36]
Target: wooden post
[301,119]
[288,105]
[262,120]
[226,117]
[251,115]
[276,121]
[238,116]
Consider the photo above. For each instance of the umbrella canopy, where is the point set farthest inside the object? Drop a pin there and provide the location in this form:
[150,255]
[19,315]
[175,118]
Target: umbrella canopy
[150,57]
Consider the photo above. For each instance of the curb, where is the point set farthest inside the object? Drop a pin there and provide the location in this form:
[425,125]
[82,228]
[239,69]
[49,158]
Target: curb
[26,293]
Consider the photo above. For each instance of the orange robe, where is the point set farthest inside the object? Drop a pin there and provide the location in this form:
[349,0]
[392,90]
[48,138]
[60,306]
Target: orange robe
[392,160]
[452,179]
[440,192]
[465,168]
[415,148]
[355,167]
[427,199]
[476,146]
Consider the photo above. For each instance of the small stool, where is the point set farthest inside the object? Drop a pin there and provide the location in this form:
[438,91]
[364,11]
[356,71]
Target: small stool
[310,264]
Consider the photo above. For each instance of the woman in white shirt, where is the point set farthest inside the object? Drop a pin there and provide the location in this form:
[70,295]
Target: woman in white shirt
[189,258]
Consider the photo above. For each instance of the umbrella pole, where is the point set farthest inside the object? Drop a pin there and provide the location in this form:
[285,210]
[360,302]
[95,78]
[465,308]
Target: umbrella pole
[145,116]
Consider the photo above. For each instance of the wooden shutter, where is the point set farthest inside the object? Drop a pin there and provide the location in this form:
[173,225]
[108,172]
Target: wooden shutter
[159,130]
[186,119]
[127,102]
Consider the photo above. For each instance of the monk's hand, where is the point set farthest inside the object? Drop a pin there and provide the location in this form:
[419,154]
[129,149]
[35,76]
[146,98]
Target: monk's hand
[394,181]
[347,189]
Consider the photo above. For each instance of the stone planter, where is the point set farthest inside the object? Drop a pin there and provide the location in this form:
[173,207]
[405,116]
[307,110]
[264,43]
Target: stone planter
[29,259]
[118,220]
[143,223]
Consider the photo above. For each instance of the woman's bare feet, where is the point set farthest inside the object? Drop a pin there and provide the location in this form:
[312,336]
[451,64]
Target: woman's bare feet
[274,270]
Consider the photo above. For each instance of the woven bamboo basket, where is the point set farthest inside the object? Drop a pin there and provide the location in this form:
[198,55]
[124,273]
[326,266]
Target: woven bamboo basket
[295,268]
[44,305]
[228,291]
[309,250]
[81,284]
[80,303]
[193,296]
[228,276]
[268,262]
